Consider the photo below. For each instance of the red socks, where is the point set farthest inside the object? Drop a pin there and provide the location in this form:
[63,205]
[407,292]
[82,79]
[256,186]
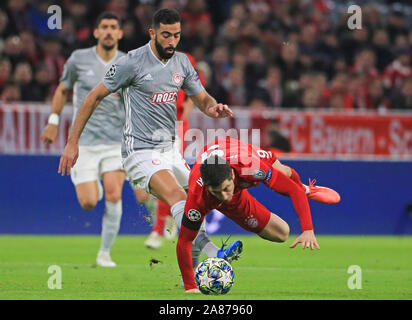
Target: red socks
[163,210]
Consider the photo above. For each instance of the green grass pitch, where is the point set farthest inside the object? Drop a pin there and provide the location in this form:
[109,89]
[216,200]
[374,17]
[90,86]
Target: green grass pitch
[265,271]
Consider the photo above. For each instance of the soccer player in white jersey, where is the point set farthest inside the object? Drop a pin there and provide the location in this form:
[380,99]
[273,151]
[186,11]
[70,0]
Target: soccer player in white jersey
[100,142]
[150,78]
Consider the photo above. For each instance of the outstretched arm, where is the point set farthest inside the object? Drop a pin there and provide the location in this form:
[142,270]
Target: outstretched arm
[70,153]
[184,256]
[188,232]
[208,105]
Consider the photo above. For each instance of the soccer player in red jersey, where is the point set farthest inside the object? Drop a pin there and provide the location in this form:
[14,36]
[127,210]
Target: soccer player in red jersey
[219,180]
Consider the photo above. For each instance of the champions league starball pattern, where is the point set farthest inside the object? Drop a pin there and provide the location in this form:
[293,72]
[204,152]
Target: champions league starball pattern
[214,276]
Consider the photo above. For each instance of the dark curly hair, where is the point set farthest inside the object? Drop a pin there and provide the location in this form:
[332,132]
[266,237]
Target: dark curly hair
[165,16]
[214,170]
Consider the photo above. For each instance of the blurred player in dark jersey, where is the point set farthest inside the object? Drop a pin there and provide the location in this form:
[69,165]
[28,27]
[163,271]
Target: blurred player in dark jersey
[219,180]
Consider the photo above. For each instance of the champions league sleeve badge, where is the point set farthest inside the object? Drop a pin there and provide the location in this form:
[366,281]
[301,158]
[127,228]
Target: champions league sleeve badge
[259,174]
[194,215]
[111,72]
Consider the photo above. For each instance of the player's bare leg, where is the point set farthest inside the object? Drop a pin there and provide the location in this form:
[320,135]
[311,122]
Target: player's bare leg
[277,230]
[87,194]
[315,193]
[164,186]
[113,185]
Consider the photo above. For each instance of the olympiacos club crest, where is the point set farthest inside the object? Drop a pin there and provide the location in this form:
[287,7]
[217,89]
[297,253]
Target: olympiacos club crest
[177,79]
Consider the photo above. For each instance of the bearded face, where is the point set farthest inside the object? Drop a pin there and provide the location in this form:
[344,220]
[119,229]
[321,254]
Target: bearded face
[165,39]
[164,53]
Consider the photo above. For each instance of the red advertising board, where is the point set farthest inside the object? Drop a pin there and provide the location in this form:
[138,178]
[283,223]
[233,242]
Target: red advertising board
[310,133]
[348,134]
[327,134]
[21,126]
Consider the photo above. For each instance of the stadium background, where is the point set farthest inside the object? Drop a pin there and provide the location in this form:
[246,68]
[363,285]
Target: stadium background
[339,99]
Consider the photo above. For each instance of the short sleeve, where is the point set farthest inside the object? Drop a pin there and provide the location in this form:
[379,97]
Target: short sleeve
[119,75]
[69,75]
[192,84]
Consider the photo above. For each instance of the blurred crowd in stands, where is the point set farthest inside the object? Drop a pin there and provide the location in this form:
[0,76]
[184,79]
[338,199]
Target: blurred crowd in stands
[256,53]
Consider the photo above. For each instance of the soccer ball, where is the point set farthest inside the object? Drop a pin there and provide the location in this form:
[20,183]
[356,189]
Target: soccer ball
[214,276]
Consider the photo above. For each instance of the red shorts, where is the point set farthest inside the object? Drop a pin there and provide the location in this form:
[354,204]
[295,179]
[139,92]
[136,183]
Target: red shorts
[247,212]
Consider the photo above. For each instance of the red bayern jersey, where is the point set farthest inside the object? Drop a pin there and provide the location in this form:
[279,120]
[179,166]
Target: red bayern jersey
[251,164]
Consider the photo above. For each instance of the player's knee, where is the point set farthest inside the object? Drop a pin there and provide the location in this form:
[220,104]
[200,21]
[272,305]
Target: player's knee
[276,232]
[283,234]
[113,195]
[88,204]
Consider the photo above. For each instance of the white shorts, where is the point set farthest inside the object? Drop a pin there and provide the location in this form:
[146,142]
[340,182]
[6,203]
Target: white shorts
[141,165]
[93,161]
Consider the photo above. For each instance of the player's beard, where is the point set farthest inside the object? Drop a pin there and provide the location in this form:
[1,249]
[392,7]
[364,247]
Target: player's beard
[163,54]
[108,47]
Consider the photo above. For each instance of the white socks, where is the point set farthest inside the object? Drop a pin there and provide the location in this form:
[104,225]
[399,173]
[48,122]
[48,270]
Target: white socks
[210,249]
[110,224]
[178,210]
